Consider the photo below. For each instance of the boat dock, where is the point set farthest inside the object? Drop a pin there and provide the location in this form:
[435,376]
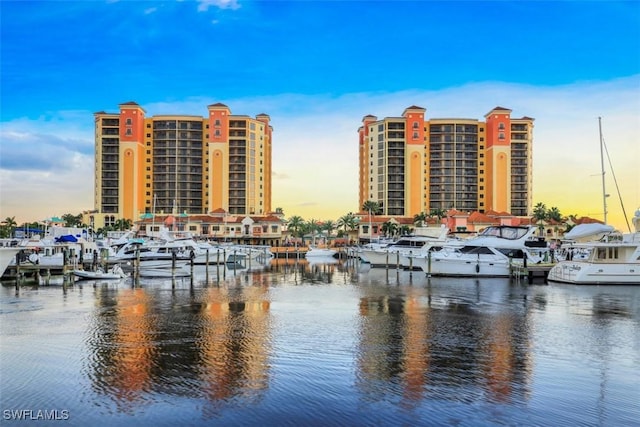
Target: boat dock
[37,272]
[301,251]
[531,272]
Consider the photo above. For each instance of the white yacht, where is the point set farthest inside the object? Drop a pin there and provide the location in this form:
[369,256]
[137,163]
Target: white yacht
[391,254]
[314,251]
[490,254]
[608,260]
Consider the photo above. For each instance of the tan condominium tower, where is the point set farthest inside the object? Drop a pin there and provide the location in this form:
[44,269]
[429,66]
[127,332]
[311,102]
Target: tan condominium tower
[409,164]
[181,164]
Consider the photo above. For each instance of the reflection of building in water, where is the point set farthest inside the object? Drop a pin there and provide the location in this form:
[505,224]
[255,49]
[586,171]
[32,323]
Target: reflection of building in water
[128,373]
[234,341]
[451,349]
[146,342]
[499,369]
[416,349]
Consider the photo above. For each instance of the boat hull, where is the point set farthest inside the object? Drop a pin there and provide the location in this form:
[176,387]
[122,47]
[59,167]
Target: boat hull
[461,267]
[7,255]
[96,275]
[585,273]
[320,253]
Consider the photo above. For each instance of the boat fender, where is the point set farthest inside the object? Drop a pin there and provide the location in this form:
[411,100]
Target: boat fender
[477,268]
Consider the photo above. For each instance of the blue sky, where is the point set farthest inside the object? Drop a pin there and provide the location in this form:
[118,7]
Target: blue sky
[317,68]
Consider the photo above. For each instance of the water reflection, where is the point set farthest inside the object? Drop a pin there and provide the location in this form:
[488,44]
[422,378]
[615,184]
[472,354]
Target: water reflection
[212,343]
[234,342]
[326,343]
[428,343]
[314,270]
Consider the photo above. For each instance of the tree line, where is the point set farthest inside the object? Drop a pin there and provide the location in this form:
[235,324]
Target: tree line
[297,226]
[9,226]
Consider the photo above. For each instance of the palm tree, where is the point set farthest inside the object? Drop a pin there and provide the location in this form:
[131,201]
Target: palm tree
[72,220]
[371,207]
[295,224]
[554,214]
[329,226]
[8,226]
[390,228]
[312,227]
[540,215]
[122,224]
[348,222]
[419,219]
[540,212]
[440,213]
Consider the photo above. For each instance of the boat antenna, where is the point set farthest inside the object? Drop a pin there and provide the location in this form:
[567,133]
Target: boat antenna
[604,192]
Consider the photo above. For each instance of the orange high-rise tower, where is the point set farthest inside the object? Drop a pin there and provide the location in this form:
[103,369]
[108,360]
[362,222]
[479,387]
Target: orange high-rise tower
[181,163]
[410,165]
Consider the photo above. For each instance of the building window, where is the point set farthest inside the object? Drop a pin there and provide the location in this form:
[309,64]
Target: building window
[128,132]
[501,135]
[129,122]
[415,125]
[217,122]
[501,126]
[217,132]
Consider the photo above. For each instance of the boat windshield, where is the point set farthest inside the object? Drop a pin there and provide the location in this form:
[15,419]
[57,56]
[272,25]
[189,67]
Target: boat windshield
[504,232]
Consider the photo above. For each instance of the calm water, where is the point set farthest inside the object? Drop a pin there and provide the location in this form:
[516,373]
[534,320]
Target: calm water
[303,345]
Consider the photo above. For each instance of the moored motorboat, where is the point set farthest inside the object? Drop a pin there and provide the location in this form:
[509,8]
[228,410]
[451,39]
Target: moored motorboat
[113,273]
[314,251]
[491,254]
[401,251]
[611,260]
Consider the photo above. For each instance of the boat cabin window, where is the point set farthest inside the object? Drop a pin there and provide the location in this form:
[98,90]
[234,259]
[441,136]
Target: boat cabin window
[475,250]
[607,253]
[512,253]
[409,243]
[505,232]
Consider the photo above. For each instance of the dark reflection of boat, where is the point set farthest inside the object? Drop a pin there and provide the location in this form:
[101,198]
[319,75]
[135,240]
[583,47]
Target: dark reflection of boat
[602,302]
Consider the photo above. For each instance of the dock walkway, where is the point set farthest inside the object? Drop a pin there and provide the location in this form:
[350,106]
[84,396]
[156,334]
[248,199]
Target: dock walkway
[531,272]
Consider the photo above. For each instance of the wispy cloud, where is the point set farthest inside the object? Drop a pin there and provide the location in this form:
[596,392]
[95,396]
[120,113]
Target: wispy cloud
[204,5]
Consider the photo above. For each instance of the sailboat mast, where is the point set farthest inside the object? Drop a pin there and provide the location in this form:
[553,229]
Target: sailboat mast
[604,191]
